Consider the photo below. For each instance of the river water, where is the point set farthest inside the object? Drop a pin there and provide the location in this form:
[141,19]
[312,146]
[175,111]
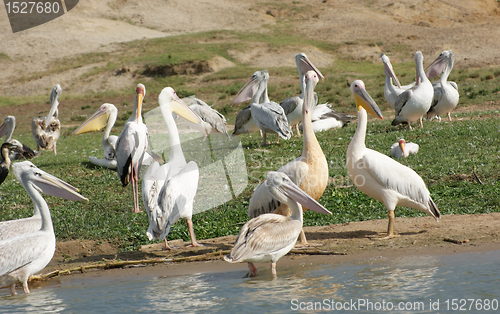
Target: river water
[467,283]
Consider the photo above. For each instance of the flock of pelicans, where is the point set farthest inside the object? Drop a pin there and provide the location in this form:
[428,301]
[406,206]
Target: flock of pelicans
[276,205]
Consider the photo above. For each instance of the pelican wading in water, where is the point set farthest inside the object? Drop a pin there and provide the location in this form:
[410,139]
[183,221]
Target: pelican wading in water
[168,191]
[268,237]
[309,171]
[403,149]
[268,115]
[380,176]
[131,146]
[46,130]
[445,92]
[415,102]
[22,152]
[28,253]
[293,105]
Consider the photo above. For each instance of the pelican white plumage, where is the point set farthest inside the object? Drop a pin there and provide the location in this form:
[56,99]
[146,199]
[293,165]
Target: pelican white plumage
[414,102]
[22,151]
[12,228]
[168,191]
[213,121]
[309,171]
[268,115]
[131,146]
[268,237]
[446,94]
[104,117]
[46,130]
[293,105]
[28,253]
[403,149]
[324,118]
[379,176]
[392,92]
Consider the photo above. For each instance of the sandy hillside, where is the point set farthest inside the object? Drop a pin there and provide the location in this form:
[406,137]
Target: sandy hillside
[470,28]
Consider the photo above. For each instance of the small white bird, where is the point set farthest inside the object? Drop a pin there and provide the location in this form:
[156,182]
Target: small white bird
[403,149]
[28,253]
[268,237]
[379,176]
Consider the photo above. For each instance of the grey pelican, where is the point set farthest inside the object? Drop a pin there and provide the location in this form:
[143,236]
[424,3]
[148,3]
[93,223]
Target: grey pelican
[46,130]
[168,191]
[403,149]
[324,118]
[28,253]
[445,93]
[309,171]
[268,116]
[105,117]
[213,121]
[392,92]
[131,146]
[22,152]
[5,163]
[293,105]
[414,102]
[379,176]
[268,237]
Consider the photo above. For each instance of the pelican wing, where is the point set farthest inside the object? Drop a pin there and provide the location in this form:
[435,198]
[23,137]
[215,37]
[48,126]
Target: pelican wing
[13,228]
[262,201]
[272,117]
[20,251]
[291,103]
[265,234]
[211,116]
[394,176]
[402,100]
[174,201]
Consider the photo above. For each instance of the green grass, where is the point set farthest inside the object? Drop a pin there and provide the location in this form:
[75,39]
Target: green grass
[448,153]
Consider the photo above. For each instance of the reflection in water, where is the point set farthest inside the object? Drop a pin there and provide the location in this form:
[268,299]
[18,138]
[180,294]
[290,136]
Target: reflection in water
[408,279]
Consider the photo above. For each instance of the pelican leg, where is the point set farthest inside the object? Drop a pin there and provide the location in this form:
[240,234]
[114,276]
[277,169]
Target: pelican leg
[302,243]
[55,150]
[189,223]
[265,138]
[390,228]
[421,122]
[449,116]
[25,287]
[253,270]
[278,138]
[12,288]
[273,269]
[297,130]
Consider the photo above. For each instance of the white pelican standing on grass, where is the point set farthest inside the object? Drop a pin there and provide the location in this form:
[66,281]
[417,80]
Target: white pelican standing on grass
[445,93]
[392,92]
[268,237]
[293,105]
[22,152]
[268,115]
[168,191]
[244,123]
[309,171]
[414,102]
[403,149]
[28,253]
[131,146]
[46,130]
[105,117]
[379,176]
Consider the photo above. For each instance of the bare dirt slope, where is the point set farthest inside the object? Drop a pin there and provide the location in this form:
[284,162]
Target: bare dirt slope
[469,28]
